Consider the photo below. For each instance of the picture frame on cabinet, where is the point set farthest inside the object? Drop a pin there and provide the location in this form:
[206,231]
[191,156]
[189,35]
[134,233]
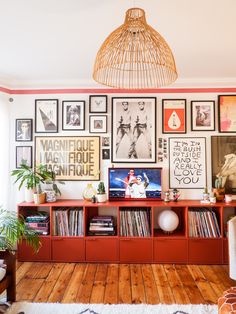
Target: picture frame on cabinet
[73,115]
[46,116]
[98,124]
[174,116]
[187,162]
[98,104]
[105,153]
[202,115]
[24,130]
[227,113]
[74,158]
[223,152]
[133,129]
[23,155]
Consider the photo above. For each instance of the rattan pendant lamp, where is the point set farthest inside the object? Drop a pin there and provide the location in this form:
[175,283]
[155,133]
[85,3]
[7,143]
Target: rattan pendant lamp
[135,56]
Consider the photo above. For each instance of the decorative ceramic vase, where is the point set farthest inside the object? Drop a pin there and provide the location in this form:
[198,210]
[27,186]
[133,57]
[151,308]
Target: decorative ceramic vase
[50,196]
[168,220]
[29,195]
[101,198]
[89,192]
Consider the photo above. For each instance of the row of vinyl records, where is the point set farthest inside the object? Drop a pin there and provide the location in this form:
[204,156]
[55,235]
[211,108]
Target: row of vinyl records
[203,223]
[68,222]
[135,223]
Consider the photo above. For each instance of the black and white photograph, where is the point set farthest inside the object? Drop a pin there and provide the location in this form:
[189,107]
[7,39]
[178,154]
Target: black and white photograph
[223,148]
[105,153]
[98,124]
[105,141]
[187,162]
[24,130]
[203,115]
[23,156]
[134,129]
[46,115]
[73,115]
[98,103]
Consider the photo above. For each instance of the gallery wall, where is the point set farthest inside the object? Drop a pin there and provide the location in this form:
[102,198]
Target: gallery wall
[23,106]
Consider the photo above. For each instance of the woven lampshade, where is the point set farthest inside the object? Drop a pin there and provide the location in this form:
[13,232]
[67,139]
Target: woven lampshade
[135,56]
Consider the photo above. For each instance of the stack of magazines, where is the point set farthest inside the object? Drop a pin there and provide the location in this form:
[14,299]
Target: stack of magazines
[39,223]
[102,225]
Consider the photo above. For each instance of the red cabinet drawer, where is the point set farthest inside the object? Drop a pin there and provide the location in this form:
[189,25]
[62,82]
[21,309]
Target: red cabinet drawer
[170,251]
[68,249]
[205,251]
[102,250]
[135,250]
[26,253]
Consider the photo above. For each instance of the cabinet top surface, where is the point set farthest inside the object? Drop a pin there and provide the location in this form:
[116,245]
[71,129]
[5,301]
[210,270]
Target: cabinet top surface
[141,203]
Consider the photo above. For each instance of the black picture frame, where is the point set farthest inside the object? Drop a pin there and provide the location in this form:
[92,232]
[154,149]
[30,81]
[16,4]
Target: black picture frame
[227,113]
[46,115]
[203,115]
[24,130]
[174,116]
[24,154]
[223,161]
[98,104]
[106,153]
[97,124]
[133,132]
[73,115]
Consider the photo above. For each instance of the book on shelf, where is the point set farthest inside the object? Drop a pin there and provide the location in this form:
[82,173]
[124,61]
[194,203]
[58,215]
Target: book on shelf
[203,223]
[68,221]
[102,225]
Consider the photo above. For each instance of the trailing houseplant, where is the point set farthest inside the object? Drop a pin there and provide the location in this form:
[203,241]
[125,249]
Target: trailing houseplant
[101,193]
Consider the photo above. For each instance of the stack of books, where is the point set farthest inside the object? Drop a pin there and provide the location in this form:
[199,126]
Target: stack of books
[39,223]
[203,223]
[101,225]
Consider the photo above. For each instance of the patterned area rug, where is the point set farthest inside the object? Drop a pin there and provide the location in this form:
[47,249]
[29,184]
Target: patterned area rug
[58,308]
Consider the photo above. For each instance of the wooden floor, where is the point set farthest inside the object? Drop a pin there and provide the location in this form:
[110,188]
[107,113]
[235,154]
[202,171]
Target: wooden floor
[112,283]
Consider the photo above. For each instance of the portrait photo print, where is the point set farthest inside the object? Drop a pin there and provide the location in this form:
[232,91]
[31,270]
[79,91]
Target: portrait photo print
[46,115]
[23,155]
[24,130]
[203,115]
[73,115]
[133,129]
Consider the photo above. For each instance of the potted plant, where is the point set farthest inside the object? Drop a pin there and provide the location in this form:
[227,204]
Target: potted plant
[101,193]
[219,190]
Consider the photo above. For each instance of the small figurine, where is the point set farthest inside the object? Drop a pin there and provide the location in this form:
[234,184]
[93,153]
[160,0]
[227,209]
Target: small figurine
[167,196]
[176,195]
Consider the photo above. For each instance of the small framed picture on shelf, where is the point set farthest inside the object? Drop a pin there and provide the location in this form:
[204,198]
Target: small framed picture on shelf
[174,116]
[23,155]
[105,141]
[24,128]
[46,115]
[98,124]
[227,113]
[73,115]
[203,115]
[98,103]
[105,153]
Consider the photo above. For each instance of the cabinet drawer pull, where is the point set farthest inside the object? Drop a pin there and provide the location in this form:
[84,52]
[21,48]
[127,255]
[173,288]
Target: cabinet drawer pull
[125,239]
[58,239]
[92,239]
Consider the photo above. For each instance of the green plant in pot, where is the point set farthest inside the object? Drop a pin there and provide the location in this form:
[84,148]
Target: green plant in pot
[219,190]
[101,193]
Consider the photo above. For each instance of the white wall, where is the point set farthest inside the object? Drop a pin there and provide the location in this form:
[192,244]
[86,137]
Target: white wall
[23,107]
[4,153]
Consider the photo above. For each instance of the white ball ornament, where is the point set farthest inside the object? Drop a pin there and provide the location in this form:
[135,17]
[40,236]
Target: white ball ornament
[168,220]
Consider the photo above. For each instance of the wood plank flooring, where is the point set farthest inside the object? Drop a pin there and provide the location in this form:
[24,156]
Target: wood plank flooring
[124,283]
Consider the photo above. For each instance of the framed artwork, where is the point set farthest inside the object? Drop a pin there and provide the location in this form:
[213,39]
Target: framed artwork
[133,129]
[223,160]
[187,162]
[105,153]
[98,124]
[203,115]
[73,115]
[105,141]
[98,104]
[24,130]
[72,158]
[46,115]
[174,116]
[23,155]
[227,113]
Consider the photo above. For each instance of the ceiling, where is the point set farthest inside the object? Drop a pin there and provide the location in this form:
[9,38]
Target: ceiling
[53,43]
